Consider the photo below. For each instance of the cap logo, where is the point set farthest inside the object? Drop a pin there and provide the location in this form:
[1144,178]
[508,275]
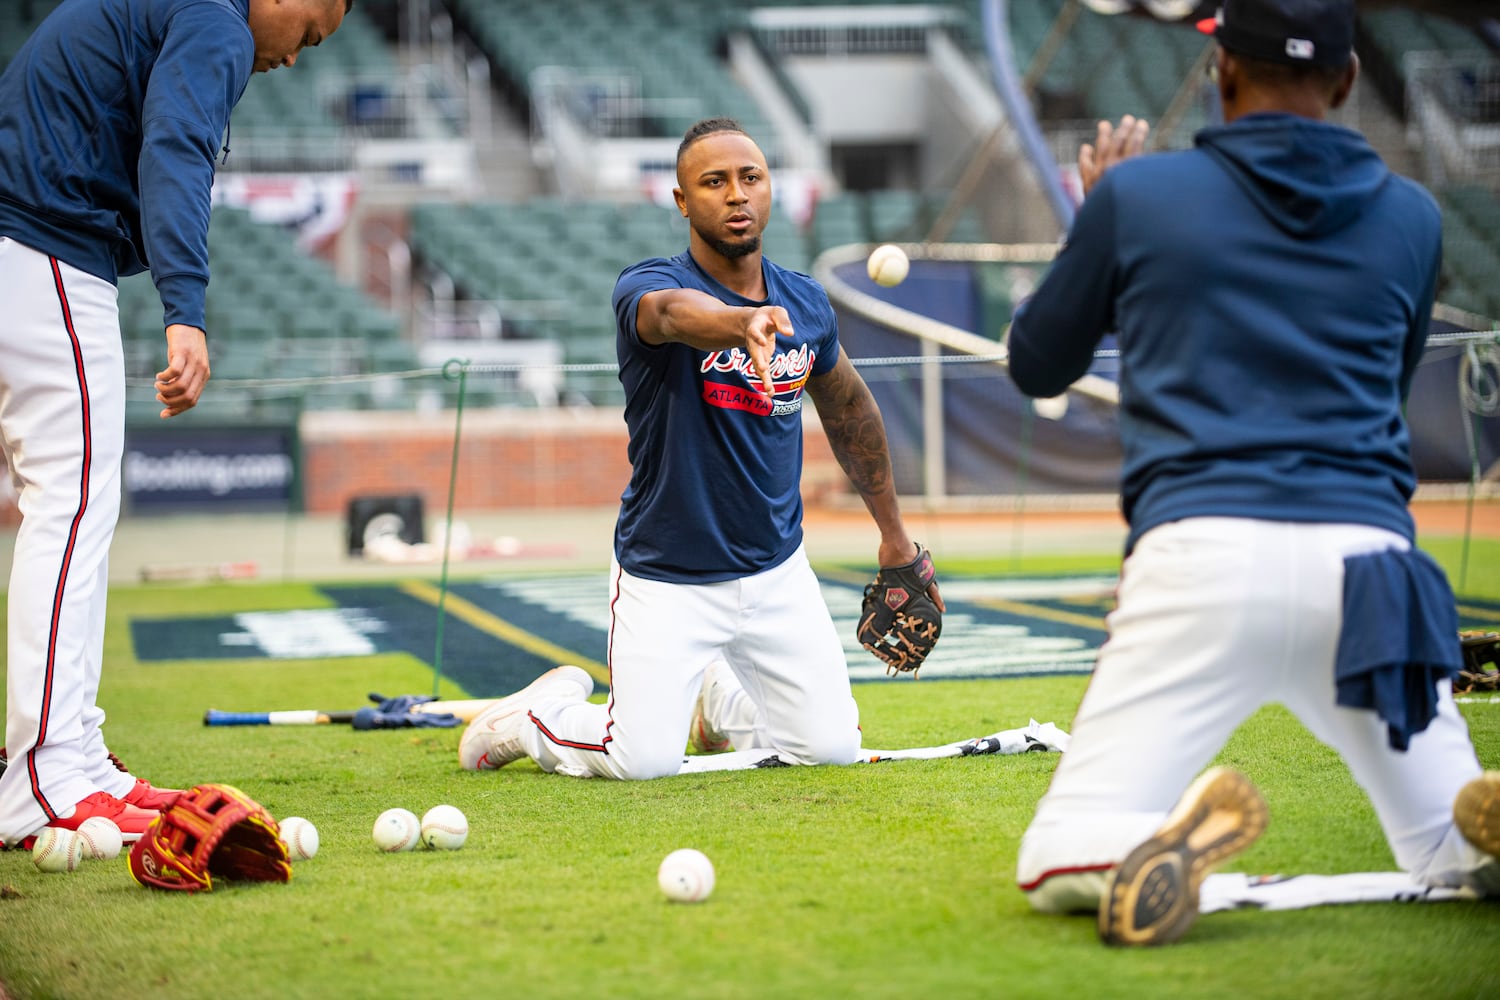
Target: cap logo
[1299,48]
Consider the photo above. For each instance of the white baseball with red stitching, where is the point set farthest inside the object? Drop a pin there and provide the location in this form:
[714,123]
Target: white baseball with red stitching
[397,830]
[444,828]
[57,850]
[300,838]
[686,876]
[100,838]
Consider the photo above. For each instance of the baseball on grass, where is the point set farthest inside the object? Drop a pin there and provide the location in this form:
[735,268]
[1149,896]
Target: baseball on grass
[101,838]
[57,850]
[300,838]
[887,265]
[397,830]
[444,828]
[686,876]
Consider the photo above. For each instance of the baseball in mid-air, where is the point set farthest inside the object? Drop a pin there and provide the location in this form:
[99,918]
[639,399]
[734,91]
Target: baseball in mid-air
[1054,408]
[686,876]
[100,837]
[887,265]
[300,837]
[57,850]
[397,830]
[444,828]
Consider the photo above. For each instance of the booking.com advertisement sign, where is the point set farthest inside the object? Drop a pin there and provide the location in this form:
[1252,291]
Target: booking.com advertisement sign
[220,468]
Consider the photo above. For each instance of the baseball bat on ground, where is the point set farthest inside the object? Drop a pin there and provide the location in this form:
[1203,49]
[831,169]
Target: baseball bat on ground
[465,710]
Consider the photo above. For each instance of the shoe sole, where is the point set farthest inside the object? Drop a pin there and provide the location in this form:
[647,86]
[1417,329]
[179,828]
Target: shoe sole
[1476,812]
[521,701]
[1151,898]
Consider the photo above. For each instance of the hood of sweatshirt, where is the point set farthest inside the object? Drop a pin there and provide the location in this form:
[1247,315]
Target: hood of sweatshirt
[1310,178]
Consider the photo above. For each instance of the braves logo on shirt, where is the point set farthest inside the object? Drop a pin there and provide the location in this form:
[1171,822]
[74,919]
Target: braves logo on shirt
[789,371]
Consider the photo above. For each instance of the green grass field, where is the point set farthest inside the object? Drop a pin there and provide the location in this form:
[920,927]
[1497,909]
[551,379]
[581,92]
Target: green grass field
[893,880]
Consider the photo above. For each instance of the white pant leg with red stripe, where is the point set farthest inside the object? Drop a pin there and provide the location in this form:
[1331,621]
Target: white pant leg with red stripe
[62,414]
[774,630]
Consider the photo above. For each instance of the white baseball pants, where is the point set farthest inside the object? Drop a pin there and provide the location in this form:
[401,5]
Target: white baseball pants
[62,420]
[1217,617]
[774,631]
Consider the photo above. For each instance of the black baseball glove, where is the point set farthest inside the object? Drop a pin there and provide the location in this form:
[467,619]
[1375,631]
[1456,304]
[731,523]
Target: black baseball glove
[899,622]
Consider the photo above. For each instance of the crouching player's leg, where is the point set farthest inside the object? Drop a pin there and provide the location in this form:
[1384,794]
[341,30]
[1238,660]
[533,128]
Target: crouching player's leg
[661,638]
[788,664]
[1119,830]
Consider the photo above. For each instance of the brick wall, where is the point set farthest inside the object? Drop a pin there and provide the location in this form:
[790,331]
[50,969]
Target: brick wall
[525,458]
[507,458]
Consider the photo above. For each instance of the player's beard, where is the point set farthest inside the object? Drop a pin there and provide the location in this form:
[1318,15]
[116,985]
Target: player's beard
[732,249]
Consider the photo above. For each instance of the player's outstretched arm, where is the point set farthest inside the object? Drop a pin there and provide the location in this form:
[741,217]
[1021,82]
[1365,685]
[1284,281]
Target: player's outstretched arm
[179,385]
[856,432]
[688,316]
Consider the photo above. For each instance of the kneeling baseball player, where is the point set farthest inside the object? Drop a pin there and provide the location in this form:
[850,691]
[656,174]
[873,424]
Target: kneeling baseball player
[717,346]
[1271,290]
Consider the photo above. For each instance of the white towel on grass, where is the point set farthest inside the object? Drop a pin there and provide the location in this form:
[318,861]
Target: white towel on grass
[1231,891]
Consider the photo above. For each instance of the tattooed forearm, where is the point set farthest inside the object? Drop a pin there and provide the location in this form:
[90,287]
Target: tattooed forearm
[854,428]
[858,440]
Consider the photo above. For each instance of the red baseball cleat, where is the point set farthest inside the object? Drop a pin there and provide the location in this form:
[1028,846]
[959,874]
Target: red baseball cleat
[132,820]
[147,796]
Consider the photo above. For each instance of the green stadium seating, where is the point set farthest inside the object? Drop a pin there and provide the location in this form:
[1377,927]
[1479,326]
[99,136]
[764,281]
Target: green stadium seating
[667,47]
[335,85]
[895,216]
[1471,250]
[273,312]
[838,219]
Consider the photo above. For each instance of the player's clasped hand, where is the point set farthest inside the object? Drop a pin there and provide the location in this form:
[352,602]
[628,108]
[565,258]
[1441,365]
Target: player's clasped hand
[760,340]
[179,385]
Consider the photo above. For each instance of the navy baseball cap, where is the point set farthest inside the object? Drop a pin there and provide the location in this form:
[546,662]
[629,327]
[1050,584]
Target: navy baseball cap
[1294,32]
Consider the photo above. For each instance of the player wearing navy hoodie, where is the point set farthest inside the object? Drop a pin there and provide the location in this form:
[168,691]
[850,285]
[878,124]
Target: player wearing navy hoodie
[111,116]
[1271,291]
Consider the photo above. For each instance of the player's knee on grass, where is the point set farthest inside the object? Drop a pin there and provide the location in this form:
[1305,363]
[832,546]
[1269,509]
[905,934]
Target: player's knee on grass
[827,746]
[1073,892]
[1485,879]
[1454,867]
[641,758]
[1444,858]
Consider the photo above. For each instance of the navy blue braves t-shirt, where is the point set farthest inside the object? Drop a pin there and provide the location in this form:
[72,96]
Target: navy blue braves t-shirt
[715,487]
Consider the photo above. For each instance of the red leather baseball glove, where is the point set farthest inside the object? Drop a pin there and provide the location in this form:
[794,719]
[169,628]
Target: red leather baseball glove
[210,830]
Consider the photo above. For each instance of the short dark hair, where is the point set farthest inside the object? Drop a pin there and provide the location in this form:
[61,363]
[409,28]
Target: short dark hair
[707,127]
[1283,75]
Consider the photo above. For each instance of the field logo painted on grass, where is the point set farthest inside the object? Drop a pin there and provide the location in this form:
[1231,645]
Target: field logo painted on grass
[317,633]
